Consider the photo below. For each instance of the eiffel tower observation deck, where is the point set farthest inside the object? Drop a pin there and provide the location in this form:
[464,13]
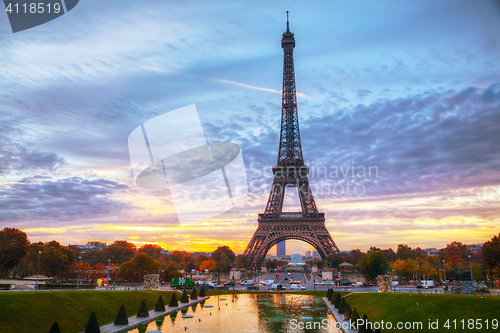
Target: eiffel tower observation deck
[275,226]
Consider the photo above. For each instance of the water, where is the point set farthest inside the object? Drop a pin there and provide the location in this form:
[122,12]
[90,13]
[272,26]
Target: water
[266,313]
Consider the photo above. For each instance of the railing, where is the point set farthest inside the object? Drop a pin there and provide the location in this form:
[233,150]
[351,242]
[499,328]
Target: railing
[294,216]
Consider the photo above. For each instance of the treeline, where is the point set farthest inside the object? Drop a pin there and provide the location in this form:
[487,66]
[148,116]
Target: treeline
[121,260]
[415,264]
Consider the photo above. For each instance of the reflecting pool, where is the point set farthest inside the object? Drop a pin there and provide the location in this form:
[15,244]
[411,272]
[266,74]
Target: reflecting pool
[249,313]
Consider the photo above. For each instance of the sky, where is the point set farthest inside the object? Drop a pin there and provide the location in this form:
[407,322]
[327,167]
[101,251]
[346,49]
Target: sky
[409,90]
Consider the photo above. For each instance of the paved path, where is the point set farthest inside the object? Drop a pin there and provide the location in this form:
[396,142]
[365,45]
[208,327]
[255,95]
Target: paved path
[134,322]
[338,317]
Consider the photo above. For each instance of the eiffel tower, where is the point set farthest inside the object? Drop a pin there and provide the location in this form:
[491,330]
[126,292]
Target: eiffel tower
[290,171]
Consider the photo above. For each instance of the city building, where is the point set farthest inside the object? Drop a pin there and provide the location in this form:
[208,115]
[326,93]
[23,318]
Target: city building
[308,254]
[432,251]
[281,249]
[296,258]
[92,246]
[316,254]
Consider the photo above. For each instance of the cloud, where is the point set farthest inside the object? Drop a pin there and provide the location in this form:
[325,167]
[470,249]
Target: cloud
[41,198]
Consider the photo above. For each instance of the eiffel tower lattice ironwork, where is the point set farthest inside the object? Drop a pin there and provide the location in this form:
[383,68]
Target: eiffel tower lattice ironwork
[274,225]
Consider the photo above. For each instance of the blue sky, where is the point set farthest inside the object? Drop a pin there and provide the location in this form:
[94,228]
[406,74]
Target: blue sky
[409,87]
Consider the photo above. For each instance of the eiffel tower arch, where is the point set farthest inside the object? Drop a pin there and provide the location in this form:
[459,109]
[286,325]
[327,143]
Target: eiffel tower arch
[275,226]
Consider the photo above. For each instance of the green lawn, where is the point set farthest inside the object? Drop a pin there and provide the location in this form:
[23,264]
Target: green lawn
[36,311]
[401,307]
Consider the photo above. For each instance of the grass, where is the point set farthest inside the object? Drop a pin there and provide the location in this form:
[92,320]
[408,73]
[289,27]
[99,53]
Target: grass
[401,307]
[37,311]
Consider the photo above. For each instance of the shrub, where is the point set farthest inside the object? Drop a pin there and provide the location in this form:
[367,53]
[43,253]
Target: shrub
[143,310]
[363,328]
[184,297]
[342,305]
[160,306]
[334,296]
[202,292]
[329,293]
[121,317]
[354,317]
[347,312]
[92,325]
[173,301]
[337,301]
[194,295]
[55,328]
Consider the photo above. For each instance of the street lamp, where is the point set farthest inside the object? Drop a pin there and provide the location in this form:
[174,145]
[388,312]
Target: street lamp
[470,262]
[78,280]
[445,282]
[38,269]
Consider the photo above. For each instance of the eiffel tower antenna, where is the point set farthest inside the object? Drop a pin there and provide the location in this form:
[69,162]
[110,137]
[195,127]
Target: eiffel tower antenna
[274,226]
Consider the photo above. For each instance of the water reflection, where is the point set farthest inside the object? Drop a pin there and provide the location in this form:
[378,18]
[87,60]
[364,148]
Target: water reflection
[266,313]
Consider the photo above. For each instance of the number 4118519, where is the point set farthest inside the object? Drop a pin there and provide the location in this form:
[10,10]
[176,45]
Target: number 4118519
[33,8]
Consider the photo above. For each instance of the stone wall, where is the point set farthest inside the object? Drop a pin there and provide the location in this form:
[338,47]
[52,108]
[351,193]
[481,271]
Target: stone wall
[151,282]
[384,283]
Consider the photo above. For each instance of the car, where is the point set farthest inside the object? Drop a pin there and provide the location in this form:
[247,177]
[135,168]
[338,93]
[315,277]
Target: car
[269,282]
[277,287]
[395,283]
[420,285]
[357,284]
[367,284]
[229,283]
[297,287]
[319,283]
[285,278]
[247,283]
[345,283]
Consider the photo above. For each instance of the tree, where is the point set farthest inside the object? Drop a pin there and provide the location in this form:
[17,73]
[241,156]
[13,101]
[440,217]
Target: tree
[373,264]
[118,252]
[355,256]
[242,261]
[491,253]
[154,251]
[13,247]
[405,268]
[404,252]
[453,254]
[420,253]
[176,256]
[208,264]
[170,272]
[390,255]
[224,257]
[138,266]
[335,260]
[201,258]
[54,258]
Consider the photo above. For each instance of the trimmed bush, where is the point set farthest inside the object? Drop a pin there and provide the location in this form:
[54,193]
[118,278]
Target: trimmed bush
[347,312]
[329,293]
[202,292]
[121,317]
[334,296]
[184,297]
[194,295]
[143,310]
[55,328]
[354,317]
[173,301]
[160,306]
[337,301]
[92,325]
[342,305]
[363,328]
